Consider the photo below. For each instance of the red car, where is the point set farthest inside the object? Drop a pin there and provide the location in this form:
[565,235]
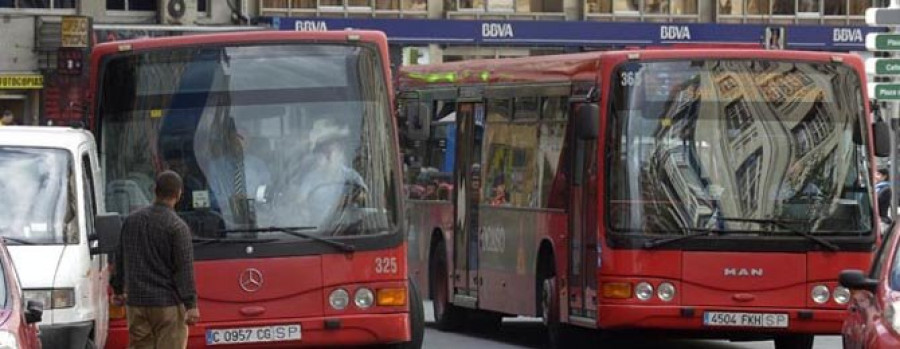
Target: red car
[18,318]
[873,320]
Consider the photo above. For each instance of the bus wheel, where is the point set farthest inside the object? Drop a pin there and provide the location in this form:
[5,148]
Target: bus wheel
[483,321]
[416,320]
[796,341]
[447,317]
[558,334]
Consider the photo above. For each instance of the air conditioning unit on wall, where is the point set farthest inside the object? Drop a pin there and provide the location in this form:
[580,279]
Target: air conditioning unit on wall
[178,12]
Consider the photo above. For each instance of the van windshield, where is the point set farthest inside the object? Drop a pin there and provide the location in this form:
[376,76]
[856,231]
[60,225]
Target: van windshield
[36,198]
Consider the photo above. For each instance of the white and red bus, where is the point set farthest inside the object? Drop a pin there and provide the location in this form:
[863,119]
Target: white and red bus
[288,149]
[715,193]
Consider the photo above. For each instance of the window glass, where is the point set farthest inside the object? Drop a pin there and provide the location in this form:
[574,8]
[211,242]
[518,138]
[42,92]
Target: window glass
[808,6]
[358,3]
[497,153]
[731,7]
[599,6]
[470,4]
[684,7]
[656,6]
[783,7]
[38,195]
[332,3]
[415,5]
[758,7]
[858,7]
[551,138]
[625,5]
[836,7]
[142,5]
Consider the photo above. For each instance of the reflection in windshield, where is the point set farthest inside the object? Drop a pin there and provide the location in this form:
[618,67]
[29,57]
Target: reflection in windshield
[264,136]
[35,195]
[696,140]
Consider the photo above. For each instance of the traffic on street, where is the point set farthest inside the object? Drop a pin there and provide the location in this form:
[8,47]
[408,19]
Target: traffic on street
[412,174]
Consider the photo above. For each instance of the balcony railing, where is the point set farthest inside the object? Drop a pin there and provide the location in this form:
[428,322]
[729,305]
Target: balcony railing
[344,8]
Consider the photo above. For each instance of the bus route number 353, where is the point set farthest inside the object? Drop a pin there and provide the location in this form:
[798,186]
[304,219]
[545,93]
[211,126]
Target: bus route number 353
[386,265]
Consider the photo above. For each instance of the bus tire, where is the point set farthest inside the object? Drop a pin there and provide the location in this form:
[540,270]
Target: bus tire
[559,335]
[483,321]
[447,317]
[416,320]
[794,341]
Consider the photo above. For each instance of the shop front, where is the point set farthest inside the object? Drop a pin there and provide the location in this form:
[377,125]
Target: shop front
[21,93]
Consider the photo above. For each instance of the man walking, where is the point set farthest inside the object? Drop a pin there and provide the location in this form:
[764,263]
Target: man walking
[154,272]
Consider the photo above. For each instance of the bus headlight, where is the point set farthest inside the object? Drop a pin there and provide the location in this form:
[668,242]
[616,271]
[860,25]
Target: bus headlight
[339,299]
[643,291]
[364,298]
[820,294]
[841,295]
[666,292]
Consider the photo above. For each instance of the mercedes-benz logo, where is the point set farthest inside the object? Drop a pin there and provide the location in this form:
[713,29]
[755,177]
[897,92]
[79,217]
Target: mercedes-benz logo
[251,280]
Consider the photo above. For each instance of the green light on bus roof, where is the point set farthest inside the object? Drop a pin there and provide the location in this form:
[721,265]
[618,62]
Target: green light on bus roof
[485,75]
[434,77]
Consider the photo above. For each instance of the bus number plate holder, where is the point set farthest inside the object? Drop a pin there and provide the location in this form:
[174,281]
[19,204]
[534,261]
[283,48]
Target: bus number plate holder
[277,333]
[767,320]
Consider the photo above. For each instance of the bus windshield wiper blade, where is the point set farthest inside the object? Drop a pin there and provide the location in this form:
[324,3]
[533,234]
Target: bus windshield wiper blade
[695,232]
[298,232]
[205,241]
[786,225]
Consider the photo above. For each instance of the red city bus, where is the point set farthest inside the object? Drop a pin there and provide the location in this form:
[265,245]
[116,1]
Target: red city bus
[710,193]
[287,145]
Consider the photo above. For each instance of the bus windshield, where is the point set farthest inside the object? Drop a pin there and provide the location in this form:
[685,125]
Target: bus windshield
[39,207]
[264,136]
[757,147]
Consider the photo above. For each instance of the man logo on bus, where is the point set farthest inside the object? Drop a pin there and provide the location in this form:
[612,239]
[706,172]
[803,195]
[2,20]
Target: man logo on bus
[743,272]
[251,280]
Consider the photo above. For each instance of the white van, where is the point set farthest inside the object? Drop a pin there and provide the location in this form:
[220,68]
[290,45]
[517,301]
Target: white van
[49,217]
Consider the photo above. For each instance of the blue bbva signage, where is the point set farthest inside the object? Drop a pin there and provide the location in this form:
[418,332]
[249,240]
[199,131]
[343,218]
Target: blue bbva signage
[587,33]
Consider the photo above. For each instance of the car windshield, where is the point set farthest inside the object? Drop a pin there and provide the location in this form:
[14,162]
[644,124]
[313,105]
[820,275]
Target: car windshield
[264,136]
[36,195]
[755,146]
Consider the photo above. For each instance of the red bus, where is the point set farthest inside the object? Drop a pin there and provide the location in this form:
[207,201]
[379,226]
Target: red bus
[713,193]
[287,145]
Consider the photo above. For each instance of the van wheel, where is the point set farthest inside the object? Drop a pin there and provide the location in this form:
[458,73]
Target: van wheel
[796,341]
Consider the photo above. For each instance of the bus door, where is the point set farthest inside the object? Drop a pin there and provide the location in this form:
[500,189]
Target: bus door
[468,182]
[583,263]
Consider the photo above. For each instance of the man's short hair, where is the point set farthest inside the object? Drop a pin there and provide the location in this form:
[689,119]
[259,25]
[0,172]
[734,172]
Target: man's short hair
[884,172]
[168,184]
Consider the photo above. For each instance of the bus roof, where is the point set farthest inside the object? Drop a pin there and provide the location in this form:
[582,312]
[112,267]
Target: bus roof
[581,66]
[240,37]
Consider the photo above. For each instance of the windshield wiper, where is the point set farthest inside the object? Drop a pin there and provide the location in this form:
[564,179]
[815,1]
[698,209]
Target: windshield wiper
[786,225]
[696,232]
[18,241]
[205,241]
[298,232]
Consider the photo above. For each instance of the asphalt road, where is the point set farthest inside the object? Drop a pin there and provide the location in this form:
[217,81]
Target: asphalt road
[529,333]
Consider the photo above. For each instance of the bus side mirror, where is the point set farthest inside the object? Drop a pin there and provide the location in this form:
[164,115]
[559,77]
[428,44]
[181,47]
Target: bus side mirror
[881,137]
[587,121]
[418,120]
[108,228]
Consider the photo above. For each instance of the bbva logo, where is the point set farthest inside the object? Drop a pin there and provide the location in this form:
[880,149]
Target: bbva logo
[674,32]
[497,30]
[847,35]
[310,26]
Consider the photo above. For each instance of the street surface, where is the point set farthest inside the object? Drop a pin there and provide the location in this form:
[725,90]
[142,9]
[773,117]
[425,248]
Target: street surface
[528,333]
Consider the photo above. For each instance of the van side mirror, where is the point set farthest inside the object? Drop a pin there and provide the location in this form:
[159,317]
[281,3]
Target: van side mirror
[856,280]
[418,120]
[587,121]
[881,138]
[34,311]
[108,228]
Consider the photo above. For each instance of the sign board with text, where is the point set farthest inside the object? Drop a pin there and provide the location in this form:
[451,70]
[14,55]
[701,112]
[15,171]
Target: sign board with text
[76,31]
[884,91]
[21,82]
[883,66]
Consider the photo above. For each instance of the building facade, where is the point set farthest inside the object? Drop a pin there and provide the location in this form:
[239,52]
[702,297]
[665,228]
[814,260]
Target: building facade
[429,31]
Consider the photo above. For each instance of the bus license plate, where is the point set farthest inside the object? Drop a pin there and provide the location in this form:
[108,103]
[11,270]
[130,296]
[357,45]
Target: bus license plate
[253,334]
[745,319]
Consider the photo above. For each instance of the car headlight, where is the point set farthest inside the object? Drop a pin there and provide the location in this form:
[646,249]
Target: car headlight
[339,299]
[666,292]
[820,294]
[643,291]
[841,295]
[8,340]
[364,298]
[58,298]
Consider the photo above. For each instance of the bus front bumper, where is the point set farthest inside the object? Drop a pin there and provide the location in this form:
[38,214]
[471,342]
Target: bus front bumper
[691,318]
[347,330]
